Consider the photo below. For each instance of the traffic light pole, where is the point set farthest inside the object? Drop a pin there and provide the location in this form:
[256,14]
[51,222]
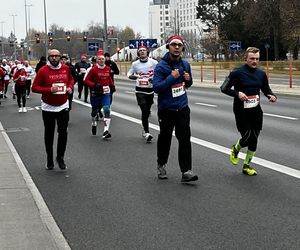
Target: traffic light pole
[105,27]
[46,31]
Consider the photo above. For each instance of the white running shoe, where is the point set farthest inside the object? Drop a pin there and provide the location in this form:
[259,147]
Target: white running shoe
[20,110]
[24,110]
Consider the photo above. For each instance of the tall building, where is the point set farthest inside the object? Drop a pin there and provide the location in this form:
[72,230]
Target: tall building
[168,17]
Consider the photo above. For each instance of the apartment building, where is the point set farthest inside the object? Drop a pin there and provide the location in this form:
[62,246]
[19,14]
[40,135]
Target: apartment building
[168,17]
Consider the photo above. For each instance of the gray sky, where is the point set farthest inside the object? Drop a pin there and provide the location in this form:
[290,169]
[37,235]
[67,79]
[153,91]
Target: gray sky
[71,14]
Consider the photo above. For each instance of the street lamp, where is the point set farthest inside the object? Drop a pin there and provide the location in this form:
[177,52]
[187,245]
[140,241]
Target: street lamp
[2,22]
[46,32]
[105,27]
[14,26]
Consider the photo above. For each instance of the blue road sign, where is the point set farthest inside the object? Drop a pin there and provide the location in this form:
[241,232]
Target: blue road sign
[149,43]
[235,45]
[93,46]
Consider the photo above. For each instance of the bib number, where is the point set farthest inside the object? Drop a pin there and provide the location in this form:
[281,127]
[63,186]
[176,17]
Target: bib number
[178,90]
[106,90]
[61,88]
[252,102]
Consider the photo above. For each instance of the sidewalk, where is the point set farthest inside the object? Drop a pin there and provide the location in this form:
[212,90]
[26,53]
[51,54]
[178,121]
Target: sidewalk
[25,221]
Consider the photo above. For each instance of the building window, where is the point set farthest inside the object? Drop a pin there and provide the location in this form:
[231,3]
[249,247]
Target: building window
[167,24]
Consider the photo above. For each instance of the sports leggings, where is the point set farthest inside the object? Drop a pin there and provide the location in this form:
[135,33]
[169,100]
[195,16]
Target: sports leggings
[249,139]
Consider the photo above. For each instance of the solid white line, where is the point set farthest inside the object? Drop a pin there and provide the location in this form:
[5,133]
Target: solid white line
[281,116]
[130,92]
[264,163]
[206,104]
[45,214]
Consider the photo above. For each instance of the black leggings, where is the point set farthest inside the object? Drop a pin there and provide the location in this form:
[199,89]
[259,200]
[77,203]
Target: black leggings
[249,139]
[21,94]
[50,119]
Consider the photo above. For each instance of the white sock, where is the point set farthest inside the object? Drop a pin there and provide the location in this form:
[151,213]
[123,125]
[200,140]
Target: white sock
[106,123]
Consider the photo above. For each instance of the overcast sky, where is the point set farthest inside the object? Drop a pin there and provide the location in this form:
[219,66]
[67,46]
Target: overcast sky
[72,14]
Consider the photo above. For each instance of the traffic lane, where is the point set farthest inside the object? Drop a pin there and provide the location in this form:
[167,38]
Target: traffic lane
[114,200]
[215,122]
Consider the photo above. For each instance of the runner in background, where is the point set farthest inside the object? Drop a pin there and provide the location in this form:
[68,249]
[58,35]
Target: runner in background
[81,68]
[142,72]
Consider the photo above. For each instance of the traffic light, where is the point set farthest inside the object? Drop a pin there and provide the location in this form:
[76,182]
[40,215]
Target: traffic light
[11,43]
[118,50]
[0,43]
[50,39]
[22,44]
[84,38]
[68,38]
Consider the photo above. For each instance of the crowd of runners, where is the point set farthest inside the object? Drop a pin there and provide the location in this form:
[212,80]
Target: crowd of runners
[54,77]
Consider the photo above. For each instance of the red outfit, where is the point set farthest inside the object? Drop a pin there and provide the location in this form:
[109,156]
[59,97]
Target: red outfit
[100,76]
[45,79]
[2,74]
[18,75]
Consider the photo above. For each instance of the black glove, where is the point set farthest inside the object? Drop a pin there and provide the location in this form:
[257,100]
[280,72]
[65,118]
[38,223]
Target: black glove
[112,88]
[98,87]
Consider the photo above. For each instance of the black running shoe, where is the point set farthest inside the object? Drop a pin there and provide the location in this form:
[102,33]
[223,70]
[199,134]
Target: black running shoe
[189,176]
[94,128]
[61,163]
[49,165]
[106,135]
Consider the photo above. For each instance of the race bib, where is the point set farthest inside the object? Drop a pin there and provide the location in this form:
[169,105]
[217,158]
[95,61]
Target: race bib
[106,90]
[252,102]
[61,88]
[82,70]
[143,82]
[178,89]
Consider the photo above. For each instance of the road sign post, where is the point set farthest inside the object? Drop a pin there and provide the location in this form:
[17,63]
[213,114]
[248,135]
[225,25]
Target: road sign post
[149,43]
[235,46]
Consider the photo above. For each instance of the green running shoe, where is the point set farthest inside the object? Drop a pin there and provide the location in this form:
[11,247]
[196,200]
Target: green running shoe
[248,170]
[234,156]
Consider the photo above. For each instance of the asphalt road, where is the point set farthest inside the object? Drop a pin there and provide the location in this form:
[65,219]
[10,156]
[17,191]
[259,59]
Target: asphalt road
[110,197]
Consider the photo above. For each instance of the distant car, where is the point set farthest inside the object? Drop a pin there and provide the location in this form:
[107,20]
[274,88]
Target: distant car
[200,56]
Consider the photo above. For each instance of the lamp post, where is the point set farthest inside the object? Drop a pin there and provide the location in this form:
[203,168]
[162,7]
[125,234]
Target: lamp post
[2,22]
[14,27]
[46,31]
[105,27]
[27,16]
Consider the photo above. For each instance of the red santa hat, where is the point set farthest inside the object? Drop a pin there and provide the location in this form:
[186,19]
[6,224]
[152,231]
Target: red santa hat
[100,54]
[175,39]
[83,56]
[142,47]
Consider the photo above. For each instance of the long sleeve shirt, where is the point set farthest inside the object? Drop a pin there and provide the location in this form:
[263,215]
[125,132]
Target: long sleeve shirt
[47,77]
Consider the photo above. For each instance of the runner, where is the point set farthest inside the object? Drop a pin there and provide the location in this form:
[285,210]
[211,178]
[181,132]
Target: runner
[172,78]
[6,78]
[142,71]
[30,74]
[114,70]
[2,74]
[81,68]
[247,81]
[66,60]
[101,85]
[19,78]
[54,81]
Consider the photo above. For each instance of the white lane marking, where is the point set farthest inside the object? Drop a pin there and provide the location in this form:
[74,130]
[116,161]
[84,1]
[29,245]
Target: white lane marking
[206,104]
[281,116]
[264,163]
[130,92]
[44,211]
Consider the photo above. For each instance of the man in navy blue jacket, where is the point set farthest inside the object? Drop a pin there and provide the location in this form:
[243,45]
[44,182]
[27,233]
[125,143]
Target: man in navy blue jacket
[172,77]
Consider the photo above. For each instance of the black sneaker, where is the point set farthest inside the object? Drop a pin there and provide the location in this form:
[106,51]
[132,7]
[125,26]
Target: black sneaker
[61,163]
[189,176]
[148,137]
[94,128]
[106,135]
[49,165]
[161,172]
